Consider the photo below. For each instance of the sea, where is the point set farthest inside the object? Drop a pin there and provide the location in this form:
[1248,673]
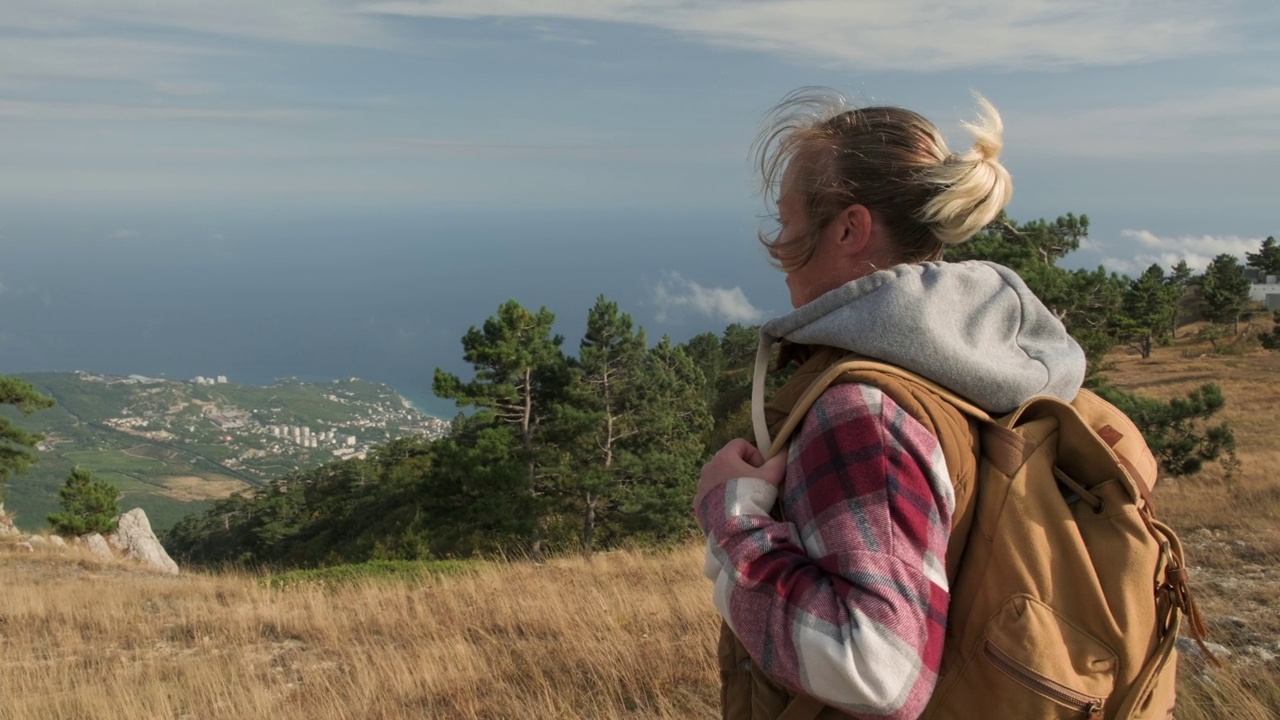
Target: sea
[380,296]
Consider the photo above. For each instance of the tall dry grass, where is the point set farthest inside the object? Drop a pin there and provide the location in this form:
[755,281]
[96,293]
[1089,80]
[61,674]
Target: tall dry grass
[629,635]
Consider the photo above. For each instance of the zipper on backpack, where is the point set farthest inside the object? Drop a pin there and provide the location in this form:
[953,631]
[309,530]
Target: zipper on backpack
[1089,705]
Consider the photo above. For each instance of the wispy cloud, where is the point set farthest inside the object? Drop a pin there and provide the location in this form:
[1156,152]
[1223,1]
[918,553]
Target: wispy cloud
[94,57]
[675,295]
[1197,250]
[432,146]
[915,35]
[311,22]
[100,112]
[1227,120]
[869,35]
[184,88]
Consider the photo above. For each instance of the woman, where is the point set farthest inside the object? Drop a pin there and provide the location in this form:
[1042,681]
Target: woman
[845,598]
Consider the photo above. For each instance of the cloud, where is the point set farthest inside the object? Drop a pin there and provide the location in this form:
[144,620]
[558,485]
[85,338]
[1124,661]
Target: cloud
[1233,120]
[39,110]
[912,35]
[184,88]
[307,22]
[94,58]
[1197,250]
[42,40]
[675,295]
[442,147]
[869,35]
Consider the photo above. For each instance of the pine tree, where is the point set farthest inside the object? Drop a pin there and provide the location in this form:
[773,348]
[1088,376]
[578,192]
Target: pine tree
[1267,259]
[731,409]
[1180,281]
[88,505]
[669,451]
[1146,310]
[1178,431]
[16,444]
[610,361]
[705,352]
[1271,340]
[521,375]
[1224,291]
[477,498]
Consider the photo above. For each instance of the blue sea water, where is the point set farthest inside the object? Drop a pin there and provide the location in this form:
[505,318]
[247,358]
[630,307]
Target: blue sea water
[383,298]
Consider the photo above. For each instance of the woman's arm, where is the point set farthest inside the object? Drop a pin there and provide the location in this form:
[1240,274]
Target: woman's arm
[846,600]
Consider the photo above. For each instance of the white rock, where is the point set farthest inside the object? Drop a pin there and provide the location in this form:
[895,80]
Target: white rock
[26,546]
[1191,650]
[6,523]
[98,546]
[37,541]
[1261,653]
[133,534]
[57,542]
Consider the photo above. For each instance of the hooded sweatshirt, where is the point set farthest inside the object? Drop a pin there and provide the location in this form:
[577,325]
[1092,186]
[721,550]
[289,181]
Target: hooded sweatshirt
[846,600]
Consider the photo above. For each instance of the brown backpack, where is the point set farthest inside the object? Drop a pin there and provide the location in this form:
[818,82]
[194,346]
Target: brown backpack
[1066,593]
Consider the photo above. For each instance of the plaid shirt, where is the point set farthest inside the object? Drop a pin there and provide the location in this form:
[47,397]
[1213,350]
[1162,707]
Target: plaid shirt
[846,600]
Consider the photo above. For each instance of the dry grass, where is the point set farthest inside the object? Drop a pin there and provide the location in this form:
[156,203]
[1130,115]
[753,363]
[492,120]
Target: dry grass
[1229,522]
[202,487]
[630,635]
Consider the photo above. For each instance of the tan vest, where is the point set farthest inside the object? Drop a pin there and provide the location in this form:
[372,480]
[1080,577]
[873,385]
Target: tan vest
[746,692]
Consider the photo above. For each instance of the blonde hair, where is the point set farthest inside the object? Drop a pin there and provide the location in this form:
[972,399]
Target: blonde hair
[889,159]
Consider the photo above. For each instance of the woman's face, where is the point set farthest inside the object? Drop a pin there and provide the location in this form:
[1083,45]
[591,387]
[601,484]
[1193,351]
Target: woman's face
[824,271]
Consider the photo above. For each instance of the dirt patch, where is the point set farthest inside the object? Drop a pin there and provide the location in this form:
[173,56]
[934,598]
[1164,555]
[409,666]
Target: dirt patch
[201,487]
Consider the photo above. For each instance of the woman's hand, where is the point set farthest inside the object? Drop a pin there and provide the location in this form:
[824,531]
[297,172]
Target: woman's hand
[739,459]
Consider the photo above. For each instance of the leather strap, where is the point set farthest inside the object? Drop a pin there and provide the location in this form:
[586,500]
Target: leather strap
[816,388]
[1112,437]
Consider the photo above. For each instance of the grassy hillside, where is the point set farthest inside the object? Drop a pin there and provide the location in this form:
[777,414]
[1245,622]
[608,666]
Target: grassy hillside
[629,635]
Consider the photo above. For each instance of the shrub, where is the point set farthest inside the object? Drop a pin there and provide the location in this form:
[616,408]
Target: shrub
[88,505]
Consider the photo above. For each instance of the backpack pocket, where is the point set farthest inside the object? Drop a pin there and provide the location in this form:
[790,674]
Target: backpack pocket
[1032,663]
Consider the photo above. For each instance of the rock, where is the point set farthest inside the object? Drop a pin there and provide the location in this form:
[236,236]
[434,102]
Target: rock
[1231,630]
[37,541]
[98,546]
[6,523]
[1260,653]
[1192,651]
[133,535]
[57,542]
[25,546]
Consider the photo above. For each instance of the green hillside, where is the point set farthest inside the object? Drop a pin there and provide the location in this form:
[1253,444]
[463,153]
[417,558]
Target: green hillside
[173,447]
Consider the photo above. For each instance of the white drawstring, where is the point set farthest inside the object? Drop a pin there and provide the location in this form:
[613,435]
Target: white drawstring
[763,443]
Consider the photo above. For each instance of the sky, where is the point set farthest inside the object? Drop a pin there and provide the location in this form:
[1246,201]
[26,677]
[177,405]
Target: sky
[192,129]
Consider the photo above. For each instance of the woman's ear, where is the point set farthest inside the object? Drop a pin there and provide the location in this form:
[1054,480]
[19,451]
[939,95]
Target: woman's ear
[854,228]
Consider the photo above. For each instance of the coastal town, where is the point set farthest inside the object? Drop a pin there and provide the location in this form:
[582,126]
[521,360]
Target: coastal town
[256,433]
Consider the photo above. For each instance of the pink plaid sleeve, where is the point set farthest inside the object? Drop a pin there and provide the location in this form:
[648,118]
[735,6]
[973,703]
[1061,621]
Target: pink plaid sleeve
[847,599]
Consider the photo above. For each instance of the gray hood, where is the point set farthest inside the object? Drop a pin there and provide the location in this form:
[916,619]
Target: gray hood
[973,327]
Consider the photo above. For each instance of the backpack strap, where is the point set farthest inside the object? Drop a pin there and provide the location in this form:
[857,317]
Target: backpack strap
[818,386]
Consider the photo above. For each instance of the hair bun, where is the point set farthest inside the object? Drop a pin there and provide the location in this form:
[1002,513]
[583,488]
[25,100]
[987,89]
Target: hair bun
[973,187]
